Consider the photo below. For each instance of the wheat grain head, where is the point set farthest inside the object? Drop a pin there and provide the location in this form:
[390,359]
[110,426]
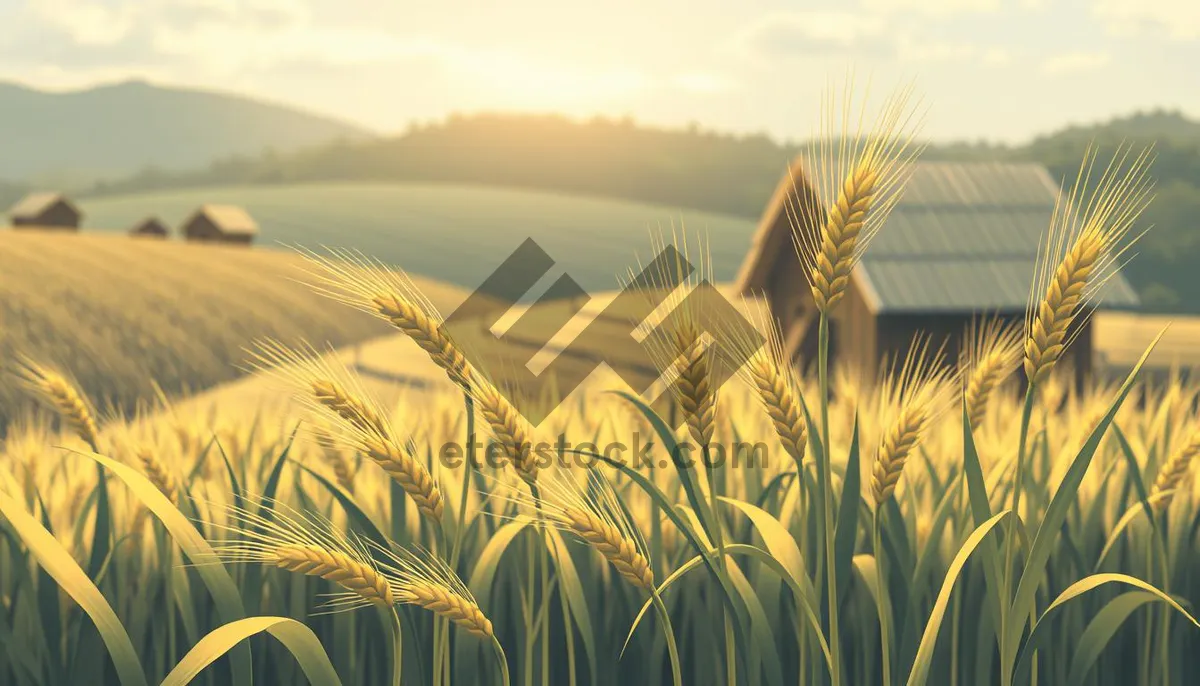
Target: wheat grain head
[856,170]
[1087,238]
[60,393]
[993,351]
[918,392]
[592,513]
[332,392]
[390,294]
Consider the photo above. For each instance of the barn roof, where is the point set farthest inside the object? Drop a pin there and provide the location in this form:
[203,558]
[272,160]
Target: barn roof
[34,204]
[230,219]
[963,237]
[150,224]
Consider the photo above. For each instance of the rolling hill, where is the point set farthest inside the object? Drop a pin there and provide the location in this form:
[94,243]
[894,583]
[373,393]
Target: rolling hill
[456,234]
[713,172]
[71,138]
[122,314]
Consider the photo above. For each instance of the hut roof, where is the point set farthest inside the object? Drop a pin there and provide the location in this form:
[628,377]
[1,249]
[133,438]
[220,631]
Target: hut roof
[230,219]
[150,225]
[964,237]
[34,204]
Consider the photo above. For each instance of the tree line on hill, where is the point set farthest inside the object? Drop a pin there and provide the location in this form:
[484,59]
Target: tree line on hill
[704,170]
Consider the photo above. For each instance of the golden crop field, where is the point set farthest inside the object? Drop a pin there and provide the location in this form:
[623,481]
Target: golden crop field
[124,314]
[966,521]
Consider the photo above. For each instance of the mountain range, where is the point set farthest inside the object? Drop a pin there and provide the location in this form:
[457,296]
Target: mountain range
[74,137]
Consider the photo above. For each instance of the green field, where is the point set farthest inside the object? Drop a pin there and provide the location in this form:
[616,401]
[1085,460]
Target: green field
[453,233]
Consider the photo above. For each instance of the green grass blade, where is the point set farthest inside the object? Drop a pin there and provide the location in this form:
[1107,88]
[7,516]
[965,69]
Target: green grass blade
[197,550]
[921,664]
[59,564]
[1100,631]
[300,641]
[1133,470]
[572,589]
[1056,513]
[1124,522]
[687,474]
[846,531]
[1042,632]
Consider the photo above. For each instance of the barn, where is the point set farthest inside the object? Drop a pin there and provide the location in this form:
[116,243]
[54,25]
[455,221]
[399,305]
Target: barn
[46,210]
[220,224]
[150,227]
[961,242]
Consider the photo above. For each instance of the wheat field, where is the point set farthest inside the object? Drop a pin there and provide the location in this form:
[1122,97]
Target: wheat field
[125,314]
[970,521]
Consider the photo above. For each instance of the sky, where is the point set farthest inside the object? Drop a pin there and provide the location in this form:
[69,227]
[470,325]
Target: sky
[998,70]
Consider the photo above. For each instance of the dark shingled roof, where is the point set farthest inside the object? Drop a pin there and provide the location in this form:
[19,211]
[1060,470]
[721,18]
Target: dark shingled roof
[963,237]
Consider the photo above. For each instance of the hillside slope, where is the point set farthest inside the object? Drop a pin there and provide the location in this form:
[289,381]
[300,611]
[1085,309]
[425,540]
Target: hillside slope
[121,128]
[121,314]
[454,233]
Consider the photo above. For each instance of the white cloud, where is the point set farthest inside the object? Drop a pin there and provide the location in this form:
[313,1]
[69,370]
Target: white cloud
[942,8]
[1176,19]
[800,34]
[1074,62]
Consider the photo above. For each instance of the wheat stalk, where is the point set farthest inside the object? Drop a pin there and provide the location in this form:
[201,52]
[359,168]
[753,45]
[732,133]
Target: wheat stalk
[54,389]
[695,392]
[608,540]
[448,605]
[334,458]
[333,391]
[994,352]
[157,473]
[859,169]
[1171,474]
[354,575]
[509,428]
[675,344]
[898,442]
[919,390]
[390,294]
[773,377]
[1082,253]
[595,516]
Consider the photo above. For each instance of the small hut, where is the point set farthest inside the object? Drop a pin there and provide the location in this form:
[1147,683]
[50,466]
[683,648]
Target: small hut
[220,224]
[47,210]
[150,227]
[962,241]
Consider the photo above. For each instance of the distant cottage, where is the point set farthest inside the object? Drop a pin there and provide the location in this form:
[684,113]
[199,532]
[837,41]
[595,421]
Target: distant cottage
[150,227]
[46,210]
[220,224]
[962,241]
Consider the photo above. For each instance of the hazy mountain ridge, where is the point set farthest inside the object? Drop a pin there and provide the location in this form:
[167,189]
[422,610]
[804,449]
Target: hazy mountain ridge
[68,138]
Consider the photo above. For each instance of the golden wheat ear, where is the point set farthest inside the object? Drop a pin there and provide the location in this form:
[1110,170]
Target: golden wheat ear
[63,395]
[675,340]
[1088,235]
[426,581]
[591,512]
[772,375]
[1172,474]
[917,393]
[305,543]
[336,397]
[389,294]
[510,429]
[854,172]
[992,353]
